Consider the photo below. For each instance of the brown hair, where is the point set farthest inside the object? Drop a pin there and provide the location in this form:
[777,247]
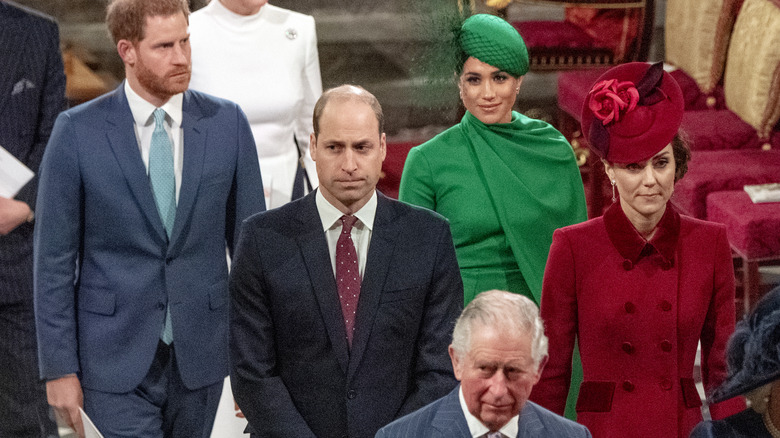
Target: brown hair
[682,154]
[126,19]
[348,92]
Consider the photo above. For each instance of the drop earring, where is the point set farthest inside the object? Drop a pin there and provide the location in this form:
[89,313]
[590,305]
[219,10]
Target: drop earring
[614,198]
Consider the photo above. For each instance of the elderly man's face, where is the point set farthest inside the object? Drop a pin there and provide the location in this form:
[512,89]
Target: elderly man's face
[496,375]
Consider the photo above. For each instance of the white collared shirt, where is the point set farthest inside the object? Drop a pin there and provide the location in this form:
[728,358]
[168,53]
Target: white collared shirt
[361,231]
[477,429]
[143,121]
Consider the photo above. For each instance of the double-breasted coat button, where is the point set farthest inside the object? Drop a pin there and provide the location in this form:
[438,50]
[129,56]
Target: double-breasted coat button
[666,306]
[666,384]
[630,307]
[666,346]
[628,386]
[351,394]
[627,347]
[160,305]
[627,265]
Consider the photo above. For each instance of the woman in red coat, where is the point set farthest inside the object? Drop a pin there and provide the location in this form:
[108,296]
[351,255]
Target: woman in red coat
[640,286]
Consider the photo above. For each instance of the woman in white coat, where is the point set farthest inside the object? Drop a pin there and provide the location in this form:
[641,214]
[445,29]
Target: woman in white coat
[265,59]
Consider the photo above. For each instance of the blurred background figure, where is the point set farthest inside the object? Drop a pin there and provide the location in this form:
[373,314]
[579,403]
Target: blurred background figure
[753,357]
[32,94]
[265,59]
[639,286]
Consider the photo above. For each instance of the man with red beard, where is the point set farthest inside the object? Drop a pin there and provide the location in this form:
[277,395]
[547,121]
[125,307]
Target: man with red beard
[140,191]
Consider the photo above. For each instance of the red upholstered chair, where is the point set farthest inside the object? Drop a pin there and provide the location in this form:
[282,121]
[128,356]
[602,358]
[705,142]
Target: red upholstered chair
[753,235]
[723,170]
[749,125]
[738,111]
[751,86]
[393,166]
[594,33]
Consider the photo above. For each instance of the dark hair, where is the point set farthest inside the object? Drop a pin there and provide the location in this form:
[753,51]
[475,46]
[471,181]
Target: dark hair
[126,19]
[682,154]
[347,92]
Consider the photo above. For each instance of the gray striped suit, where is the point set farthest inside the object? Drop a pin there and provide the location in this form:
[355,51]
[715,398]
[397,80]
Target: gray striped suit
[444,419]
[32,94]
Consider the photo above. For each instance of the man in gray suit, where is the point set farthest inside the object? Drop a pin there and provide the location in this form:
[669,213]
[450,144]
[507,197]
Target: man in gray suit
[32,94]
[498,352]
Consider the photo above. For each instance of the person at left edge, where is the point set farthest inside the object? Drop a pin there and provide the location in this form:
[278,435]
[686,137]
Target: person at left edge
[310,358]
[32,94]
[140,190]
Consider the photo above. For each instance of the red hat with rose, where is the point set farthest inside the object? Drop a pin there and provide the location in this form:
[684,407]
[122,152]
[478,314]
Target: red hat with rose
[632,111]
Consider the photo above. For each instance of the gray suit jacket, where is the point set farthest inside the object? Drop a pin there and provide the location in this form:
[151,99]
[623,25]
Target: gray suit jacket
[444,418]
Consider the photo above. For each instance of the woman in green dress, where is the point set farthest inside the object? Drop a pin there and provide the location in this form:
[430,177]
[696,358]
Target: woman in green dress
[505,181]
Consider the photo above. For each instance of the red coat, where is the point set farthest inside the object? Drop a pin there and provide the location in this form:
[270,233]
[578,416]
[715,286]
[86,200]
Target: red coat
[638,309]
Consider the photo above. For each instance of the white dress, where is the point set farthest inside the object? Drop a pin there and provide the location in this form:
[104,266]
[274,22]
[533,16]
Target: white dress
[268,64]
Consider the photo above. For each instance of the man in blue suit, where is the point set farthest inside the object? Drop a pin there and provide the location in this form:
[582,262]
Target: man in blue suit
[498,352]
[32,94]
[342,301]
[140,191]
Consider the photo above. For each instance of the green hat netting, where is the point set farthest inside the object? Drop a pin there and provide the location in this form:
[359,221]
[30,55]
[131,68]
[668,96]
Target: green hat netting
[494,41]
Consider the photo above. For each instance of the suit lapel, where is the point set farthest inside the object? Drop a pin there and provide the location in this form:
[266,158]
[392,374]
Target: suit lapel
[194,149]
[12,46]
[449,419]
[314,248]
[121,137]
[529,423]
[380,253]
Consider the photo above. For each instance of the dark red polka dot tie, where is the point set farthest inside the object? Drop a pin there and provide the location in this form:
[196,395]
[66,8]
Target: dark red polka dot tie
[347,275]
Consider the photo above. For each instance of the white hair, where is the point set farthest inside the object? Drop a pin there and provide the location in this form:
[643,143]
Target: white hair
[511,313]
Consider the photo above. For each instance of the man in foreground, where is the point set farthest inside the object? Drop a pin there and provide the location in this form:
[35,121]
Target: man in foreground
[342,301]
[140,190]
[498,352]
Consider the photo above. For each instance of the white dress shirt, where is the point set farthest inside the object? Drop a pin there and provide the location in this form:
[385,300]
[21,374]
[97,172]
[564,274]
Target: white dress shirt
[479,430]
[143,121]
[361,231]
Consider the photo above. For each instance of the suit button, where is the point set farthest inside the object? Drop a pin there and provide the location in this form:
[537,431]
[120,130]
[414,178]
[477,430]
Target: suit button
[628,386]
[351,394]
[666,265]
[666,306]
[666,384]
[627,347]
[630,307]
[666,346]
[160,306]
[627,265]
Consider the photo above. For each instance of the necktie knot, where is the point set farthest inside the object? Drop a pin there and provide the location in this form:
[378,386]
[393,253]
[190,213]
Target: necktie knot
[347,222]
[159,118]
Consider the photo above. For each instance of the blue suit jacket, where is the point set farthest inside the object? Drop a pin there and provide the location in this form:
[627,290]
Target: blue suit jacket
[32,94]
[444,418]
[105,270]
[293,373]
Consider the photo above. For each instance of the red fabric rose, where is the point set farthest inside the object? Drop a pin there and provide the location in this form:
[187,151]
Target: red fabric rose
[610,99]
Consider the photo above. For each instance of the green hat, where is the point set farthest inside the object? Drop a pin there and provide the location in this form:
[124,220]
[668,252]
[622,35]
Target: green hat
[494,41]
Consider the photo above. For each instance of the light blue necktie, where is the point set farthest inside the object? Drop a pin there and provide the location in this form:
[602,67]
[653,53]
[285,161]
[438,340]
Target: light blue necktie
[164,188]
